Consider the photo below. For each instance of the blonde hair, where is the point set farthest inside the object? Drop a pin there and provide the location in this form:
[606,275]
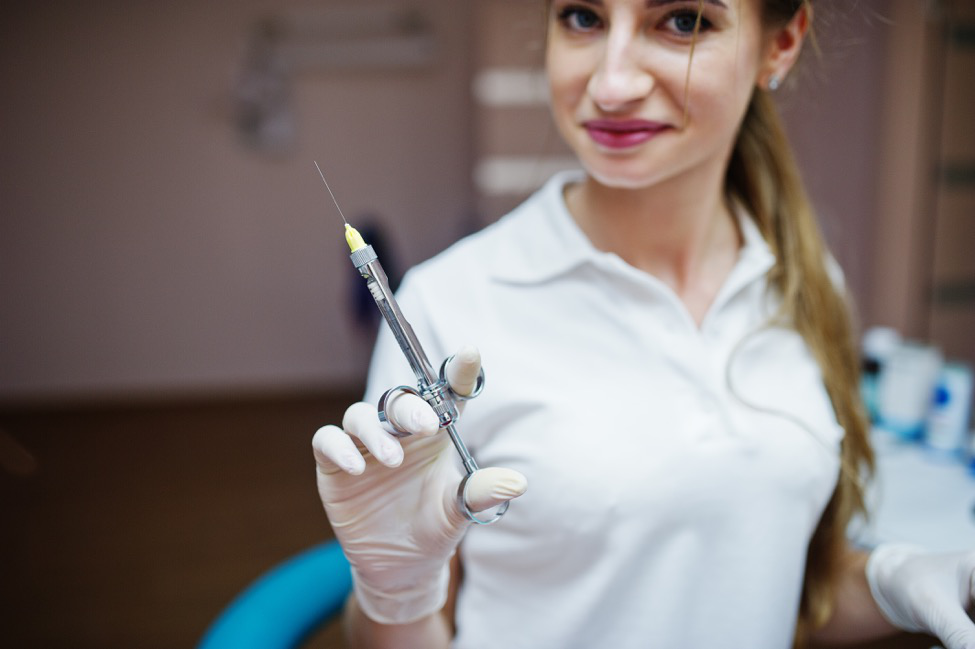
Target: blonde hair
[763,176]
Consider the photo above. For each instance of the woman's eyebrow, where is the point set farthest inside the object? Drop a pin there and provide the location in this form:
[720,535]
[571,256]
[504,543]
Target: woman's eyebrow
[653,4]
[660,3]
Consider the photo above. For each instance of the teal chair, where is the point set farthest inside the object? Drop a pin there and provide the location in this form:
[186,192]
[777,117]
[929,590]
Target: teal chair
[283,607]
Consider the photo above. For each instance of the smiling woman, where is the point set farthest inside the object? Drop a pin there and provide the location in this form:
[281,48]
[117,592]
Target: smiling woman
[665,95]
[686,263]
[604,60]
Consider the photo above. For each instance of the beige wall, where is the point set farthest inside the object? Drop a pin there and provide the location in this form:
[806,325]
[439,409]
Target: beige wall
[144,249]
[832,105]
[951,320]
[923,276]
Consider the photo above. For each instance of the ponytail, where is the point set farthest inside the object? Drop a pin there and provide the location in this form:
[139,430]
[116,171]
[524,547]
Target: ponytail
[764,178]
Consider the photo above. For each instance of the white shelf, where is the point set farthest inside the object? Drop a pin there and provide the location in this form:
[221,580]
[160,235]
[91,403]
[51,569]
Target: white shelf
[919,497]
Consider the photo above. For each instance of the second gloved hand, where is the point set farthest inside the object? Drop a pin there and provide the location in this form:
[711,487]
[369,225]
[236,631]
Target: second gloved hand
[920,591]
[393,502]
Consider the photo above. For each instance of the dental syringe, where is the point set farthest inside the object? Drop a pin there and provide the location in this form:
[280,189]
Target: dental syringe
[432,387]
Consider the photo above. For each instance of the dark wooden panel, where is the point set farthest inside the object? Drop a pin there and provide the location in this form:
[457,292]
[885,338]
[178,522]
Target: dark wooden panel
[135,526]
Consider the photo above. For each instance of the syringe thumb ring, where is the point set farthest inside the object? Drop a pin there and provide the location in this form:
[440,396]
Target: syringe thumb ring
[462,500]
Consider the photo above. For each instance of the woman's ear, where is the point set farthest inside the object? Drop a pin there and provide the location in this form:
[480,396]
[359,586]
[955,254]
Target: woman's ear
[782,48]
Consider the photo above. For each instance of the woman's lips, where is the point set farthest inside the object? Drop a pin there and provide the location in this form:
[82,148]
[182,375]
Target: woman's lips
[622,134]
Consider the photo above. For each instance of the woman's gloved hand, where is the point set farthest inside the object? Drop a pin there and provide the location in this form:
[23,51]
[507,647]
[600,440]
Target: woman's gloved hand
[923,592]
[393,502]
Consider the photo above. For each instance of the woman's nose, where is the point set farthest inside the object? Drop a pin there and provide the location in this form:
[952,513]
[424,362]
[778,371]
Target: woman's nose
[619,80]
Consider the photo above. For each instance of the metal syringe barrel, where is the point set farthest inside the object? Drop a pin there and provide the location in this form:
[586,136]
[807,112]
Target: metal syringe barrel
[430,386]
[433,388]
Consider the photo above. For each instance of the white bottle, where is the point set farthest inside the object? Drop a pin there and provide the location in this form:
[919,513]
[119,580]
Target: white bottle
[905,388]
[877,346]
[947,424]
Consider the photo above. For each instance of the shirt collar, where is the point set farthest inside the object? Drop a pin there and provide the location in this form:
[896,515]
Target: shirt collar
[552,244]
[548,241]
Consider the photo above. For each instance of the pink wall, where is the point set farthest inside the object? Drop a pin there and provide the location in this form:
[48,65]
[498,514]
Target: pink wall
[145,250]
[831,105]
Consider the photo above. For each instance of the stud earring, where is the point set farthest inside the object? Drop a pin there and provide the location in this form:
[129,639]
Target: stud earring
[774,83]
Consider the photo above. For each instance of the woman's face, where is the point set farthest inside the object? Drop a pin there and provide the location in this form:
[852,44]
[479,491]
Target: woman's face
[618,76]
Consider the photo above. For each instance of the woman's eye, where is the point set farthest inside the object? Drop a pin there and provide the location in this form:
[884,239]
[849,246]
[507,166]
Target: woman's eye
[684,22]
[579,19]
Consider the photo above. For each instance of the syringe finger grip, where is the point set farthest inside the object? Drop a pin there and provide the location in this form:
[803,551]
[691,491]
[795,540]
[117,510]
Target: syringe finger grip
[444,408]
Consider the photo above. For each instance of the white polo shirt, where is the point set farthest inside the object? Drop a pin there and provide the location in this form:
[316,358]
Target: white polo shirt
[661,511]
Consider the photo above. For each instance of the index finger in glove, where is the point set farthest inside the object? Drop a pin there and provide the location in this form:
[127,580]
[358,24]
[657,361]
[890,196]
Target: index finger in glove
[463,369]
[405,410]
[361,421]
[335,448]
[335,451]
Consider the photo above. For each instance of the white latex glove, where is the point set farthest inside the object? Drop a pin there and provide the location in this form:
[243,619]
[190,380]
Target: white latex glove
[923,592]
[393,502]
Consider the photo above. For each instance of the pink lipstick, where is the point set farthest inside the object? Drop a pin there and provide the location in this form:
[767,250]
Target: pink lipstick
[622,134]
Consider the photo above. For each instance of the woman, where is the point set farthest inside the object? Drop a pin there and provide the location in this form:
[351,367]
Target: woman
[671,364]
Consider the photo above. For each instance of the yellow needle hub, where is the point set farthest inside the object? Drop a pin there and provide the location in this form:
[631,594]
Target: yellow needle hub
[353,238]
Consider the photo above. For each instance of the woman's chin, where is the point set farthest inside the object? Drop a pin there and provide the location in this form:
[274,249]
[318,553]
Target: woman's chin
[618,178]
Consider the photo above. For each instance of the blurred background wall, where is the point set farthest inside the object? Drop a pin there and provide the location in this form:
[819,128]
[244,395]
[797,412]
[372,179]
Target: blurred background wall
[175,310]
[161,234]
[158,238]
